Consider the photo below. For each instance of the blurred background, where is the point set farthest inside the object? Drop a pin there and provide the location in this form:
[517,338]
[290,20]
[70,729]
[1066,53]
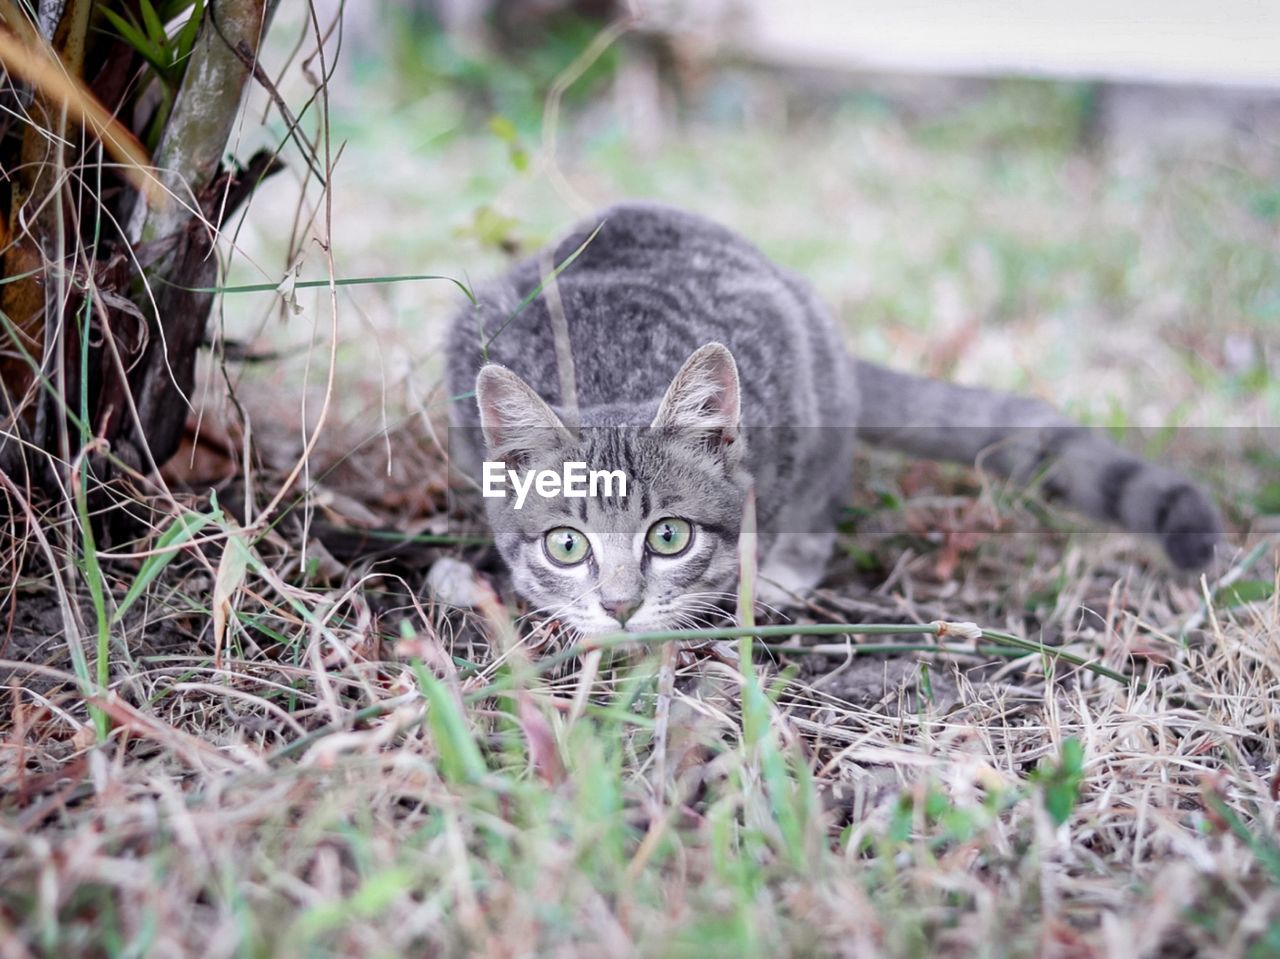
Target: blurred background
[1080,202]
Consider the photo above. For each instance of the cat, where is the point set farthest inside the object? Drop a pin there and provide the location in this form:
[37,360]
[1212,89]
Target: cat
[703,370]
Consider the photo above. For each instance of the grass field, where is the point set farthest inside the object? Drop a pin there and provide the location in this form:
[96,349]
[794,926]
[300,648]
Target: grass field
[242,739]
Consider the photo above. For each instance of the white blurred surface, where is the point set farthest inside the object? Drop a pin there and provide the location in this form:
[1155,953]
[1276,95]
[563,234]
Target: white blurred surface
[1233,42]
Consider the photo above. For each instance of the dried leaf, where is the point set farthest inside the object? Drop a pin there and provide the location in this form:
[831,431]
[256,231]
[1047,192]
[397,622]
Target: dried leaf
[542,741]
[231,573]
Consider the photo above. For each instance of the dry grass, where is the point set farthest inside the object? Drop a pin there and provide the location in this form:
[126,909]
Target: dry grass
[299,753]
[340,781]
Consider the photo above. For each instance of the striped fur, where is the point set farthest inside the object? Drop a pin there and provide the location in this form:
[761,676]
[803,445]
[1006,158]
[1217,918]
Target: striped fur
[653,287]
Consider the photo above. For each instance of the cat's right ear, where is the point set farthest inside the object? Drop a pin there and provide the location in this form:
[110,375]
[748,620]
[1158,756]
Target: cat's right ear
[517,422]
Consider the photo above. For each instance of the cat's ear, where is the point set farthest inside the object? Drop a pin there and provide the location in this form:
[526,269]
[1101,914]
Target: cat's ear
[516,421]
[704,400]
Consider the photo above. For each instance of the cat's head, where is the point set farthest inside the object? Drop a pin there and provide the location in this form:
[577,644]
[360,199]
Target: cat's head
[659,557]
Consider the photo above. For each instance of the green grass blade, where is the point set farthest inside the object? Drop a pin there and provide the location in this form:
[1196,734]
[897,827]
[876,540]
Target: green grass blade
[155,27]
[97,597]
[183,528]
[346,281]
[460,757]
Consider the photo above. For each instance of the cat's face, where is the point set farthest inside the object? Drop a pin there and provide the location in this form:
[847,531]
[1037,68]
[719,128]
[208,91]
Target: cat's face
[658,558]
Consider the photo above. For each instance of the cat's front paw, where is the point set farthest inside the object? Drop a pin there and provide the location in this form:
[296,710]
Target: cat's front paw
[1189,527]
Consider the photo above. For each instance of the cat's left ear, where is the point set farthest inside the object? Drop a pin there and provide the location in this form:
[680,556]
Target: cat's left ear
[704,398]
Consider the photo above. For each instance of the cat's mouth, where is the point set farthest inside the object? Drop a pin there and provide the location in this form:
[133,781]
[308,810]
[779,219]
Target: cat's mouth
[598,623]
[596,628]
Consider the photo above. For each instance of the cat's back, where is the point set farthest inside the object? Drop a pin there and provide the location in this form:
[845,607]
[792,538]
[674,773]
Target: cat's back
[648,239]
[644,286]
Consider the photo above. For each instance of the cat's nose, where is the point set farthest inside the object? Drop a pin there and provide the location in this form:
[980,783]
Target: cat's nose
[620,609]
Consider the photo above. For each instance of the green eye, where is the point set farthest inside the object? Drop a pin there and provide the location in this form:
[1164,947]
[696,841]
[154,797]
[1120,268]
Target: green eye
[565,546]
[669,537]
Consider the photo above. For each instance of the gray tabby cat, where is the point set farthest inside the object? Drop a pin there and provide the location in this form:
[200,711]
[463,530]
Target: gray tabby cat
[717,371]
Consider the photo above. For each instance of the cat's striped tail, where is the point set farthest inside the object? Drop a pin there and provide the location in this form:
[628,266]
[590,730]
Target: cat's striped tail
[1029,441]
